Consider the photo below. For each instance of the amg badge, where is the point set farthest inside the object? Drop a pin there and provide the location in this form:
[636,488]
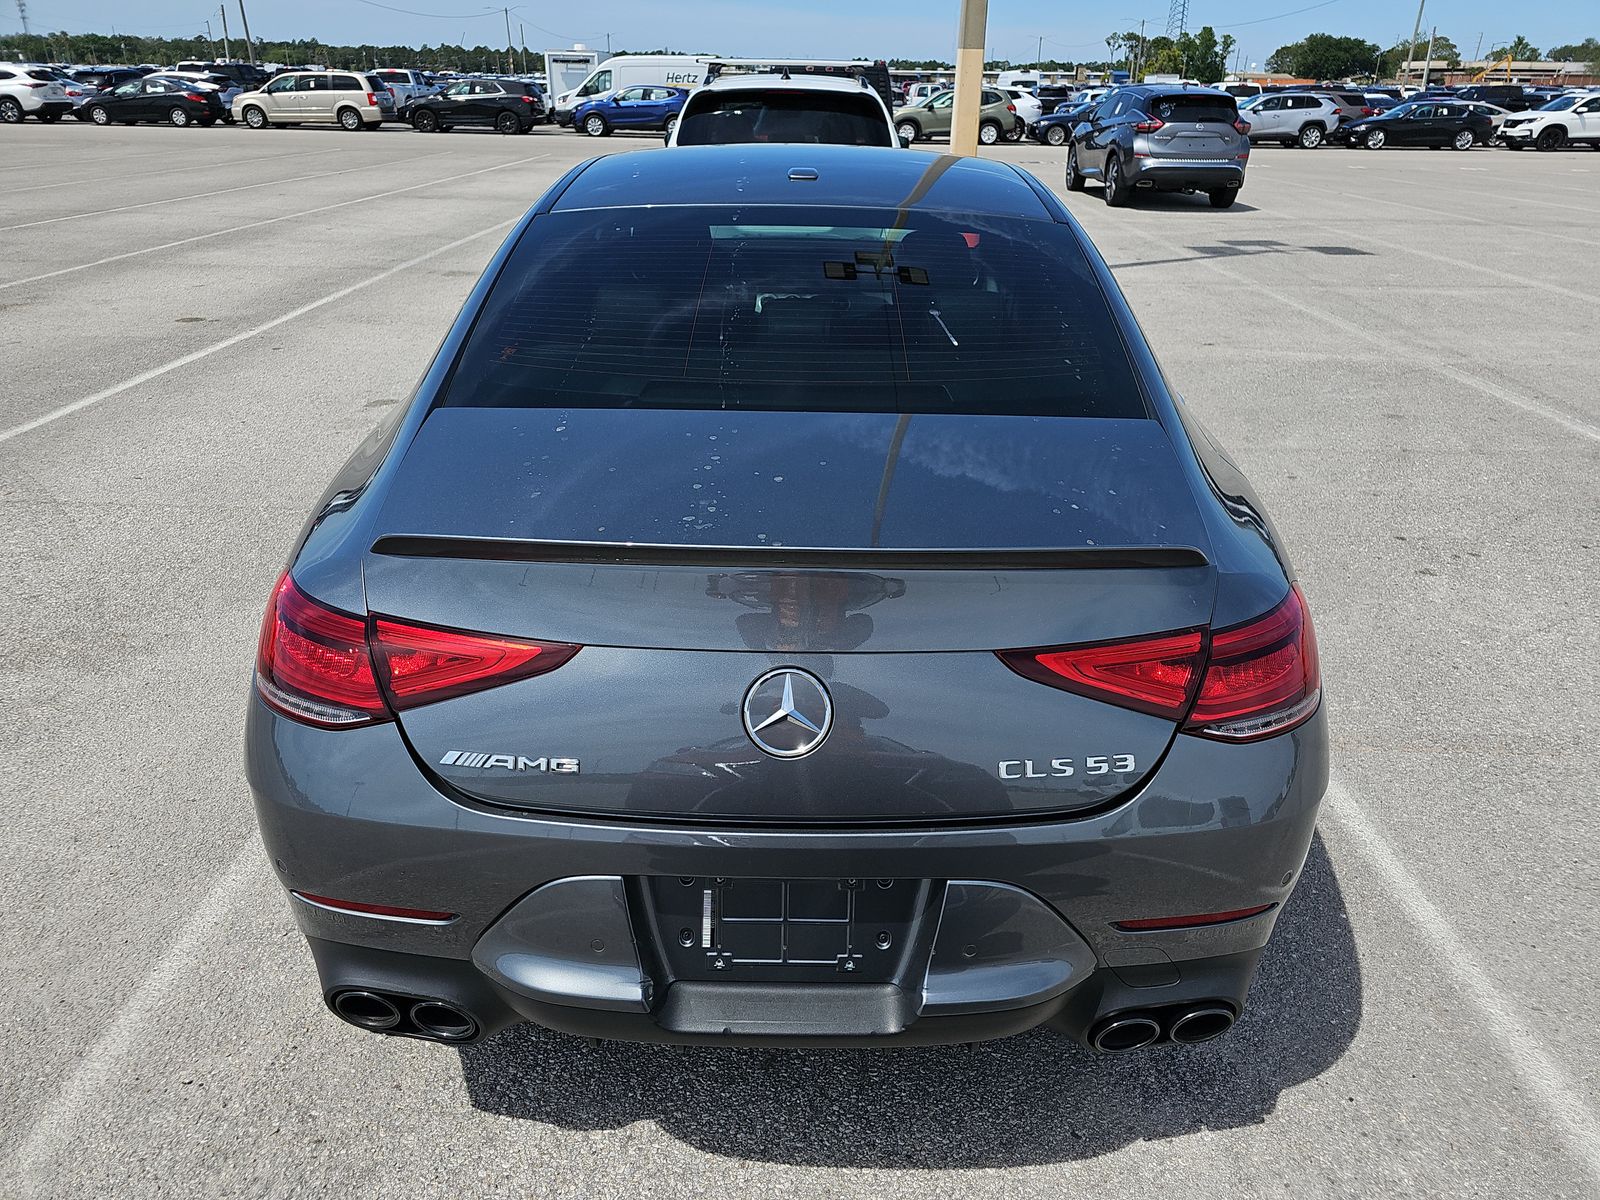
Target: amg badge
[509,762]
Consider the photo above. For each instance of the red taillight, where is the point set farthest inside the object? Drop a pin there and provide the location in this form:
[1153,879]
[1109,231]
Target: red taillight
[1242,125]
[1368,112]
[377,910]
[372,99]
[1238,684]
[313,664]
[1261,677]
[1189,922]
[1150,126]
[1011,108]
[526,99]
[422,664]
[1155,675]
[195,96]
[336,670]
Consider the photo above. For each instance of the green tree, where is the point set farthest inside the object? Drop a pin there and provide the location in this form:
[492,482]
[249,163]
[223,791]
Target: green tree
[1586,51]
[1205,56]
[1520,50]
[1323,56]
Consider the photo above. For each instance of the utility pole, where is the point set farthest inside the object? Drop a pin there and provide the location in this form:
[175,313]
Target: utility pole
[1132,76]
[522,39]
[1038,62]
[1477,55]
[226,51]
[1427,58]
[249,45]
[22,11]
[511,50]
[970,32]
[1416,30]
[211,41]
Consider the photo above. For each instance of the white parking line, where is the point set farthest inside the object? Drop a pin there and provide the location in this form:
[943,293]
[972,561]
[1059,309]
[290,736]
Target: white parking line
[209,166]
[66,410]
[52,1131]
[243,187]
[1506,1022]
[1454,216]
[201,237]
[1388,343]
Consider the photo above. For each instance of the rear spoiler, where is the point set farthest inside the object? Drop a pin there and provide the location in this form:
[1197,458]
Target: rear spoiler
[645,554]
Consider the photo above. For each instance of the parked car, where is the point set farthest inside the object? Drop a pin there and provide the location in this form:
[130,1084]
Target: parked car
[226,87]
[249,76]
[156,99]
[1053,129]
[1239,89]
[1351,106]
[317,97]
[31,90]
[1161,138]
[405,86]
[1073,783]
[1511,96]
[1054,96]
[1292,118]
[814,109]
[642,106]
[1027,104]
[1497,115]
[632,70]
[1419,123]
[997,118]
[1574,118]
[100,78]
[507,105]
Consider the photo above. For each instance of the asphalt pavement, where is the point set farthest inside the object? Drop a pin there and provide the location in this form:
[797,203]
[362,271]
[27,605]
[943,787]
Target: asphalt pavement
[1398,347]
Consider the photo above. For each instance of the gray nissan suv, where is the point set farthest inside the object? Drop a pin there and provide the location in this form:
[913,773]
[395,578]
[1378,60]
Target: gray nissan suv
[791,609]
[1167,139]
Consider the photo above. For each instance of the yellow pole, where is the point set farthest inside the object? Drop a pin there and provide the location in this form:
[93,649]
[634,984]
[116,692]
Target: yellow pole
[969,76]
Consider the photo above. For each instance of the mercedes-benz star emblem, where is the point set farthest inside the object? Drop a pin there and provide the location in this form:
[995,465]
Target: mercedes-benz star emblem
[787,712]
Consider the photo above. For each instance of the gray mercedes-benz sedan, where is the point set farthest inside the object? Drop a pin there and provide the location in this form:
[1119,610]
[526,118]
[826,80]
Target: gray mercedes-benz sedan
[793,609]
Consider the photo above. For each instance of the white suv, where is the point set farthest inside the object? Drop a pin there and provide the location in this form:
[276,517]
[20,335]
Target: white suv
[1571,118]
[830,109]
[31,90]
[1293,118]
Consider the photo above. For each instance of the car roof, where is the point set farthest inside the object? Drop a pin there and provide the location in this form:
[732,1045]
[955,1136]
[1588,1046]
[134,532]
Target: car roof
[844,176]
[770,80]
[1172,89]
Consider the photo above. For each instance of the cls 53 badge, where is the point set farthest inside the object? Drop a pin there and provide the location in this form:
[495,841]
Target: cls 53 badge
[1066,768]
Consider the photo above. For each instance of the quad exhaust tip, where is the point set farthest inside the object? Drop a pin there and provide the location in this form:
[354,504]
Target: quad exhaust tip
[1122,1034]
[1201,1024]
[406,1016]
[367,1009]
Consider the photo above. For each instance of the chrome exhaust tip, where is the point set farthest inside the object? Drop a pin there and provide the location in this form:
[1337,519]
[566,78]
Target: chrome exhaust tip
[443,1022]
[366,1009]
[1121,1034]
[1201,1024]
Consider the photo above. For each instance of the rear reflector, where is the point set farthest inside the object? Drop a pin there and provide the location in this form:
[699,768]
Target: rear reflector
[422,664]
[376,910]
[1237,684]
[1155,675]
[1189,922]
[312,663]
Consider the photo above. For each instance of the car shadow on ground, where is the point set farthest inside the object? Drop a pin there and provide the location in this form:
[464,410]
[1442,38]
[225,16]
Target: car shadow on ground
[1033,1099]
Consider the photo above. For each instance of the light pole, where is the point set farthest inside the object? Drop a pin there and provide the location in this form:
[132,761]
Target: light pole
[227,52]
[970,32]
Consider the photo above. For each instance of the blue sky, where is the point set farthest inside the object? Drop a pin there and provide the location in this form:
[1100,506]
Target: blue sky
[835,28]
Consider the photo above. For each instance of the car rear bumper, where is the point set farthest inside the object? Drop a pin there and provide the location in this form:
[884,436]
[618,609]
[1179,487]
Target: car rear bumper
[1173,174]
[53,108]
[568,921]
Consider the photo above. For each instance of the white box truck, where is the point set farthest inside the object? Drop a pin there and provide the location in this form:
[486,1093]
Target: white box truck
[629,70]
[566,69]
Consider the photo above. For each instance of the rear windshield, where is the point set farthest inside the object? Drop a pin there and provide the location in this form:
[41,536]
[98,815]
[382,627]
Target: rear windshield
[833,118]
[1195,108]
[375,84]
[776,308]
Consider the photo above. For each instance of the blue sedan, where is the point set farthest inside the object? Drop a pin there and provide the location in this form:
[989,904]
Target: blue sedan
[642,107]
